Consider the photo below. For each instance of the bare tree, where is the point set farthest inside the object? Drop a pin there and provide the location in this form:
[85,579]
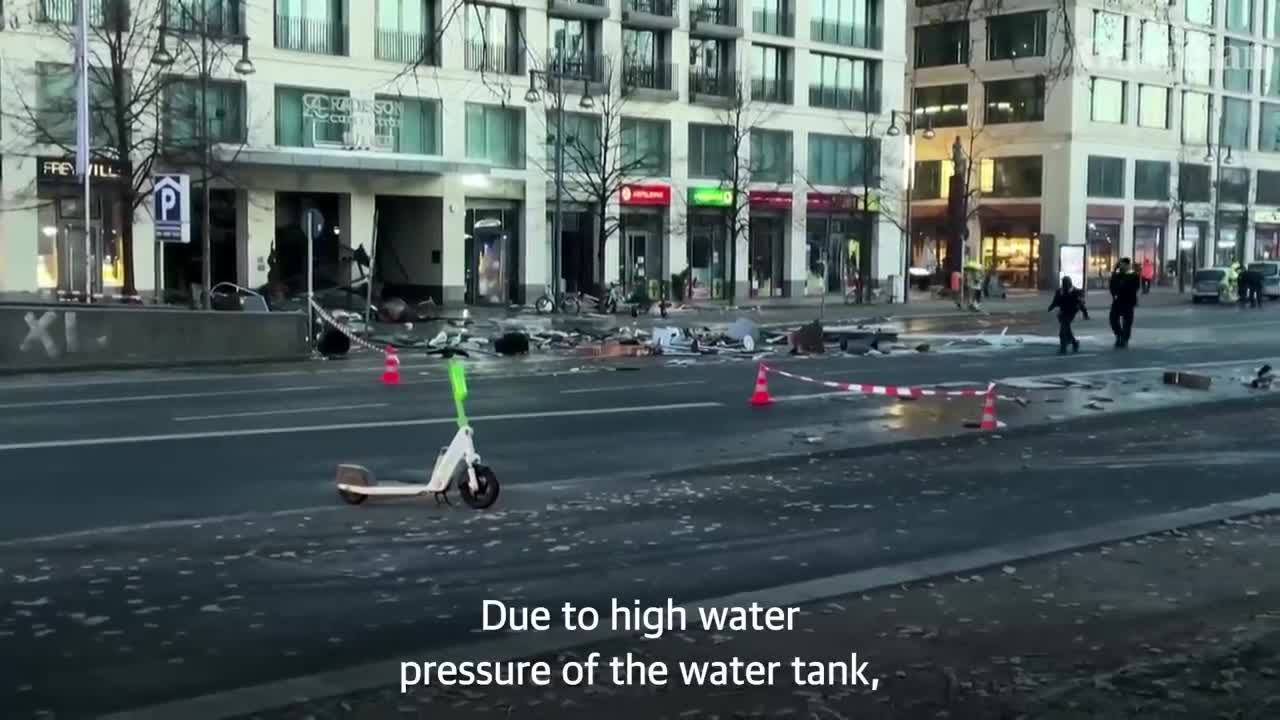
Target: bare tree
[126,91]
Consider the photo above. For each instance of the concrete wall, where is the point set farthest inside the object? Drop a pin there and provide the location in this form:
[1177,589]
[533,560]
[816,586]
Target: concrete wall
[40,338]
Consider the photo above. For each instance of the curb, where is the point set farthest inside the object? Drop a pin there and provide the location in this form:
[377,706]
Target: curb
[256,699]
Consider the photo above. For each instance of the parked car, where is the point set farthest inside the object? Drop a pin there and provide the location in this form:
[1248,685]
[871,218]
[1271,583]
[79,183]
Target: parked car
[1210,285]
[1270,270]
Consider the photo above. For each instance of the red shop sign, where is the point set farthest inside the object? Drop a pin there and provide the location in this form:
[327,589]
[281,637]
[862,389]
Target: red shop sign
[771,199]
[826,202]
[645,195]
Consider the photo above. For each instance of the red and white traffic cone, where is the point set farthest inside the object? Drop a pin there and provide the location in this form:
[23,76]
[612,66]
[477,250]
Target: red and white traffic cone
[989,410]
[760,397]
[391,368]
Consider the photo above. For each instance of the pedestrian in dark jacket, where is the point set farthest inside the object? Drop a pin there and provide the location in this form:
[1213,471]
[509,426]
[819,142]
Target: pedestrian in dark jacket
[1125,286]
[1068,301]
[1251,287]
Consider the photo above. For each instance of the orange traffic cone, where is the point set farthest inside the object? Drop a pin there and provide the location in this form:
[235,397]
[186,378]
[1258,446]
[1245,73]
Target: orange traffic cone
[760,397]
[989,410]
[391,368]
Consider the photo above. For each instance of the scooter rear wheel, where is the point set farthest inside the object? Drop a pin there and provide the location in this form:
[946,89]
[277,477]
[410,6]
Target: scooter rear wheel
[354,498]
[486,495]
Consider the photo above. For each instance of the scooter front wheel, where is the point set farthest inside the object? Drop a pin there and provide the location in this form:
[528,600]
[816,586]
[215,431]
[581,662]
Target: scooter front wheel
[487,492]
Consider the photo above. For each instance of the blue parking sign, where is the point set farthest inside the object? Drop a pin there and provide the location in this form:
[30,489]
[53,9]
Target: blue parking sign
[171,196]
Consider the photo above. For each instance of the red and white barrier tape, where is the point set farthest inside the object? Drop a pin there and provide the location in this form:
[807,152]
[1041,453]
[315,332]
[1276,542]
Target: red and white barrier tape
[344,329]
[887,390]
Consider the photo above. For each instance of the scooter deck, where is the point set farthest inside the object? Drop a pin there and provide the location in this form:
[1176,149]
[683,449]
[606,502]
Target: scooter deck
[385,489]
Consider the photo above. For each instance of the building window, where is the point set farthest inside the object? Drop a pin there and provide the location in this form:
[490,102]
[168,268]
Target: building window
[710,154]
[844,83]
[1020,35]
[304,117]
[414,127]
[770,74]
[223,108]
[312,26]
[1151,180]
[844,161]
[1268,187]
[710,68]
[1234,185]
[1193,183]
[573,48]
[55,112]
[646,146]
[942,44]
[927,184]
[405,32]
[1106,177]
[222,17]
[492,40]
[1271,19]
[1015,101]
[1235,123]
[853,23]
[1155,49]
[1153,107]
[1269,128]
[1106,100]
[772,17]
[1009,177]
[581,144]
[1196,109]
[495,135]
[1240,15]
[942,106]
[1237,64]
[1271,73]
[1109,35]
[771,156]
[1197,58]
[1200,12]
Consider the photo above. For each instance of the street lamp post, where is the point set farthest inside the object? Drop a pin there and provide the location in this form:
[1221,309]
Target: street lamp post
[553,80]
[908,122]
[1215,154]
[213,39]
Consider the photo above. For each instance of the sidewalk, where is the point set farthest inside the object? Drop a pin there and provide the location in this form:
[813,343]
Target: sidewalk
[1183,624]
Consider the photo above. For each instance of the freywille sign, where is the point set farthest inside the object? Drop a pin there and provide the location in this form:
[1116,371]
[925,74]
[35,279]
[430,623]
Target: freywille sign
[366,124]
[63,170]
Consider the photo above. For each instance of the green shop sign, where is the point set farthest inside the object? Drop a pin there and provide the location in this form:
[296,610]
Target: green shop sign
[710,197]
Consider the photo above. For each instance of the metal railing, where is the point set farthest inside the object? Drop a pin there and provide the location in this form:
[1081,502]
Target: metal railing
[717,83]
[859,35]
[772,90]
[65,11]
[321,37]
[576,65]
[222,19]
[405,47]
[713,12]
[490,58]
[836,98]
[646,75]
[665,8]
[773,23]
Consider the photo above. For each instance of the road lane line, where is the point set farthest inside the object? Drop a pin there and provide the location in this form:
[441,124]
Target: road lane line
[147,398]
[1145,368]
[615,388]
[137,439]
[259,413]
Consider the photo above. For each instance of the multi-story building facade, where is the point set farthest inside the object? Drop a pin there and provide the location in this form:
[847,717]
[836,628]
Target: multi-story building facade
[1153,131]
[450,162]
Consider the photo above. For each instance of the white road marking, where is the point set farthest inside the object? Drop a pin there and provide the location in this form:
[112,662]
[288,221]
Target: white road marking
[294,411]
[815,396]
[1145,368]
[136,439]
[614,388]
[1043,358]
[147,398]
[164,525]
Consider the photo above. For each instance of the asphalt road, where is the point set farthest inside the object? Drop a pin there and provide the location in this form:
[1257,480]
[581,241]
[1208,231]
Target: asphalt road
[170,533]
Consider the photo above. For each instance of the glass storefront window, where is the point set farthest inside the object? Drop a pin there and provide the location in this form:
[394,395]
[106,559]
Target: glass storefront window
[1104,246]
[60,262]
[1014,256]
[1266,242]
[766,261]
[1148,244]
[833,253]
[708,257]
[1230,235]
[303,122]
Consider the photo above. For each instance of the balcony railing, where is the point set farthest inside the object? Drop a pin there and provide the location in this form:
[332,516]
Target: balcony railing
[644,75]
[406,47]
[771,90]
[859,35]
[221,19]
[664,8]
[858,100]
[773,23]
[65,11]
[713,12]
[714,83]
[321,37]
[490,58]
[578,66]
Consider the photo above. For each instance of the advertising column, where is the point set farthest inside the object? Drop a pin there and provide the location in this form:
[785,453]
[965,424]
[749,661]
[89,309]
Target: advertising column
[643,239]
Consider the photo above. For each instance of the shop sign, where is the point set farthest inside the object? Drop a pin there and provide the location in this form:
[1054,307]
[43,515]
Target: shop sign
[366,124]
[772,199]
[63,170]
[710,197]
[645,195]
[1267,217]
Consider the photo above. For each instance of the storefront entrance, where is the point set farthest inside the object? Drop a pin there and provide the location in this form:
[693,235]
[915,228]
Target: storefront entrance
[929,256]
[1266,243]
[708,257]
[767,240]
[69,264]
[1013,255]
[834,253]
[492,252]
[644,219]
[1148,244]
[1103,252]
[1227,249]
